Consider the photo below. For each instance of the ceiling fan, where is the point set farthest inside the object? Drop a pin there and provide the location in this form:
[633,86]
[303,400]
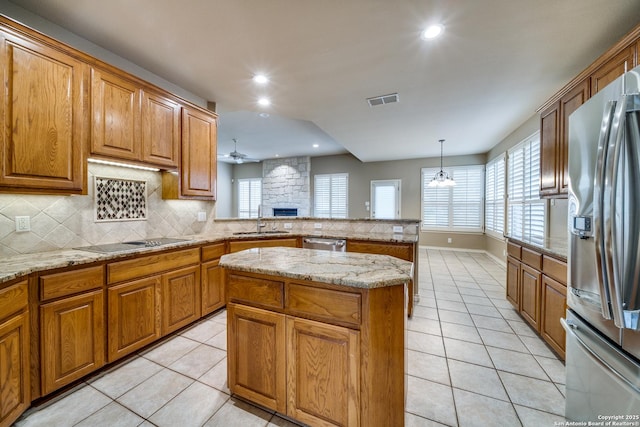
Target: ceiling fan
[235,156]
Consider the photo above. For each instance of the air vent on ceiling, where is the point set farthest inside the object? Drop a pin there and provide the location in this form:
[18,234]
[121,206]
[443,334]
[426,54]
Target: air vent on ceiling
[383,99]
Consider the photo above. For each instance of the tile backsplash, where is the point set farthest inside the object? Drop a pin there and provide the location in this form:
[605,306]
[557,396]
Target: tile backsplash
[60,222]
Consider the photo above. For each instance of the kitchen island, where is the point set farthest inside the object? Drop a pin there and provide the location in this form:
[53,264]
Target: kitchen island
[318,336]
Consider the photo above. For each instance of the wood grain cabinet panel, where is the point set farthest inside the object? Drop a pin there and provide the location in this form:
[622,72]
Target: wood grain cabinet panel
[323,373]
[160,129]
[240,245]
[44,113]
[530,286]
[613,68]
[554,141]
[134,316]
[15,380]
[513,281]
[554,306]
[198,165]
[14,367]
[72,339]
[181,302]
[115,104]
[327,305]
[213,294]
[257,355]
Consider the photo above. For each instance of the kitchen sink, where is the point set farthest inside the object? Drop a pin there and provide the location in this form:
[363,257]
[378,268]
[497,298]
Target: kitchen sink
[258,233]
[133,244]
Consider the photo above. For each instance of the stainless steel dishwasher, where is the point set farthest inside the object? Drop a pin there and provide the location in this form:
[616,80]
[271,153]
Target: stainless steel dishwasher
[322,243]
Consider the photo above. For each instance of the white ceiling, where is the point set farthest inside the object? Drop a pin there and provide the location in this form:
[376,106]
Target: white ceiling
[496,63]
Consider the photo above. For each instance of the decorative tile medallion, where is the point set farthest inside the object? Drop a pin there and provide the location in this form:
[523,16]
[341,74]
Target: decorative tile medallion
[120,199]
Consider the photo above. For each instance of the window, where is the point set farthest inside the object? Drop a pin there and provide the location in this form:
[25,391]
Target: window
[385,199]
[330,195]
[457,208]
[249,197]
[494,187]
[526,213]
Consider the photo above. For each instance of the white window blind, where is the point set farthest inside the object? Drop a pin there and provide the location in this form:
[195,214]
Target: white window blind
[385,199]
[494,192]
[249,197]
[526,212]
[331,195]
[457,208]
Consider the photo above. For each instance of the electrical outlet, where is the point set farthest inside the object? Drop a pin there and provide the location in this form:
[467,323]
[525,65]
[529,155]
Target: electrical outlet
[449,240]
[397,229]
[23,223]
[317,225]
[202,216]
[287,226]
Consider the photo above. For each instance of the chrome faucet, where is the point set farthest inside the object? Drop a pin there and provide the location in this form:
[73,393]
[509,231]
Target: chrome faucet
[260,224]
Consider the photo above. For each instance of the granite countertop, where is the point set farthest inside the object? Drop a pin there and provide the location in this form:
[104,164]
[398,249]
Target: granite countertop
[337,268]
[554,246]
[20,265]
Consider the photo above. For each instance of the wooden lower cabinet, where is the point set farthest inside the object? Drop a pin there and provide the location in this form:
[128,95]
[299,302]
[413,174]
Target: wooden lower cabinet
[181,302]
[257,355]
[513,281]
[321,354]
[530,282]
[15,385]
[72,339]
[536,288]
[134,316]
[554,306]
[213,295]
[212,287]
[323,373]
[240,245]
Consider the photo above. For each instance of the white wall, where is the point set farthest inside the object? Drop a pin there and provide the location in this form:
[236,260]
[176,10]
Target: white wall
[61,34]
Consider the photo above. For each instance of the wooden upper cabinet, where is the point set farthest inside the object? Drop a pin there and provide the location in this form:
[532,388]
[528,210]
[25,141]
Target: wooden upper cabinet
[554,138]
[160,129]
[549,149]
[198,165]
[44,115]
[130,123]
[613,68]
[115,104]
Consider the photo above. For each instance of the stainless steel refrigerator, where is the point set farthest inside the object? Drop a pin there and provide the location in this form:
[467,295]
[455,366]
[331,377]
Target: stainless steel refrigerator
[603,295]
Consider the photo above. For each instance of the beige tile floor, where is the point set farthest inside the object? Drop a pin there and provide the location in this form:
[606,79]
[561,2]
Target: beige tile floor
[472,362]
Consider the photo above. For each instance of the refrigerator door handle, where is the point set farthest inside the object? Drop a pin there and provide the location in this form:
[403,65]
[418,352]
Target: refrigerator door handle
[571,329]
[598,218]
[615,270]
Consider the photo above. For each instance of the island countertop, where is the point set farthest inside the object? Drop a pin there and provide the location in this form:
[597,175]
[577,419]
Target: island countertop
[338,268]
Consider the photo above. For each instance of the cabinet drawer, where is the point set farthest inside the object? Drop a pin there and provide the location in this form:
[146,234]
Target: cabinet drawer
[70,282]
[255,291]
[152,264]
[514,250]
[212,251]
[555,269]
[13,298]
[241,245]
[532,258]
[402,251]
[327,305]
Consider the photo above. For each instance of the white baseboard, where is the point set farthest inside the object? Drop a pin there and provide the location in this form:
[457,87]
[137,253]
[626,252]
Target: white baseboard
[440,248]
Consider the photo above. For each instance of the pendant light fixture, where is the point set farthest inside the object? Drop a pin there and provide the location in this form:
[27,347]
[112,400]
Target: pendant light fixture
[442,178]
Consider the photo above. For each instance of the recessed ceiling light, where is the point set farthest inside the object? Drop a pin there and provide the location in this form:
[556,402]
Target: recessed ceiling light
[264,102]
[432,32]
[264,115]
[260,79]
[316,145]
